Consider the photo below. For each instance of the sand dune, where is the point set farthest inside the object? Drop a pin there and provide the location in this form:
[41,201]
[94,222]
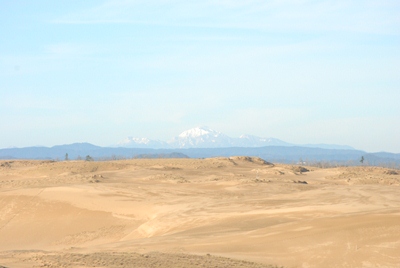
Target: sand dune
[219,212]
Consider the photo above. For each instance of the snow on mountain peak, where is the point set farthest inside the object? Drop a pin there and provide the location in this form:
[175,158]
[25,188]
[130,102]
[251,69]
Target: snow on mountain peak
[204,137]
[197,132]
[247,136]
[135,140]
[201,137]
[132,142]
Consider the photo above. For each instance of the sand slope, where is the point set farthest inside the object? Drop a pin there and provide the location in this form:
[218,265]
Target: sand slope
[219,212]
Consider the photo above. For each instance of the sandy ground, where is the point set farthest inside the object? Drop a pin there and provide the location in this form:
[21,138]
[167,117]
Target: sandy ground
[219,212]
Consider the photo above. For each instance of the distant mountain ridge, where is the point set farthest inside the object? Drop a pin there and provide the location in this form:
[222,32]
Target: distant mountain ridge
[277,154]
[202,142]
[204,137]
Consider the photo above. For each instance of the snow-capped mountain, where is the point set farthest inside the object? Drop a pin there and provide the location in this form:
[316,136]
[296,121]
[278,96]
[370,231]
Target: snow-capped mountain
[200,137]
[132,142]
[204,137]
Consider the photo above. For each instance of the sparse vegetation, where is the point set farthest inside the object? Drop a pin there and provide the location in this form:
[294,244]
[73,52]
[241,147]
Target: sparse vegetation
[332,164]
[300,169]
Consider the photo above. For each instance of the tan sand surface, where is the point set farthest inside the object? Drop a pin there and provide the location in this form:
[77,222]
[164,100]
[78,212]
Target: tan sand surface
[218,212]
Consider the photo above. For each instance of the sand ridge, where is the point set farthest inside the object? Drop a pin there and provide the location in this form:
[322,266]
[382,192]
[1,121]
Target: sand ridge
[217,212]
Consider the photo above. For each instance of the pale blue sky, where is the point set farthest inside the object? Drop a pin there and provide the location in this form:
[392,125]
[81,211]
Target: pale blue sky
[302,71]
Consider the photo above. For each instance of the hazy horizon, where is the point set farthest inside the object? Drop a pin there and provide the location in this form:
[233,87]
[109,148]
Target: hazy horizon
[172,141]
[299,71]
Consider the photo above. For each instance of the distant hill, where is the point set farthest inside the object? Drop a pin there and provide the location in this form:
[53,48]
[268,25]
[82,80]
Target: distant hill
[277,154]
[81,150]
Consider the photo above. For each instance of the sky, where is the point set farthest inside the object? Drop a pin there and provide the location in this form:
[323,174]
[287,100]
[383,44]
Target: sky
[303,71]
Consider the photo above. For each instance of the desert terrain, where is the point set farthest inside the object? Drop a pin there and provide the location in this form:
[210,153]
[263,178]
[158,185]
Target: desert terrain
[218,212]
